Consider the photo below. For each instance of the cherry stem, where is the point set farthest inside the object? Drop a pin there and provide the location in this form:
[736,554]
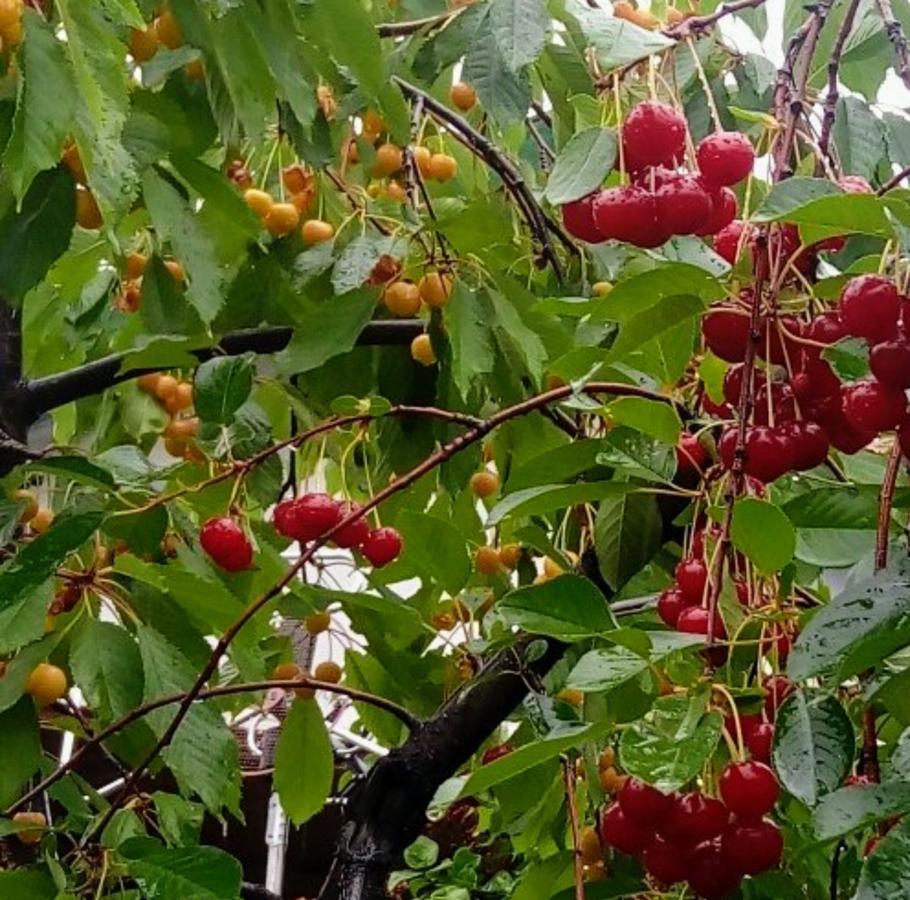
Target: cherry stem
[568,771]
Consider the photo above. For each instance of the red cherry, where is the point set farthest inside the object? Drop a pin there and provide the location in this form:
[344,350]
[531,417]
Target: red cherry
[776,639]
[733,383]
[724,207]
[769,453]
[310,516]
[869,307]
[742,592]
[718,410]
[749,789]
[726,157]
[855,184]
[726,446]
[382,546]
[629,214]
[783,403]
[619,831]
[226,543]
[753,847]
[653,134]
[683,206]
[354,533]
[776,345]
[664,862]
[748,722]
[642,803]
[655,177]
[870,405]
[759,742]
[491,754]
[809,443]
[726,332]
[281,517]
[578,219]
[777,689]
[828,328]
[833,244]
[691,578]
[690,455]
[710,874]
[669,605]
[694,620]
[729,241]
[845,435]
[857,780]
[890,363]
[693,818]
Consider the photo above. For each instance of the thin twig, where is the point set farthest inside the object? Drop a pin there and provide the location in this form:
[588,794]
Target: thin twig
[886,501]
[832,95]
[428,24]
[870,746]
[898,40]
[893,181]
[695,24]
[568,771]
[139,712]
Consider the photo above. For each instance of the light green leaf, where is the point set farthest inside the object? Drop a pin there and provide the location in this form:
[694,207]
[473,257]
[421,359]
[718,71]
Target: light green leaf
[627,534]
[660,420]
[44,105]
[763,532]
[221,386]
[582,165]
[175,222]
[304,763]
[813,746]
[561,463]
[520,28]
[548,498]
[858,806]
[568,607]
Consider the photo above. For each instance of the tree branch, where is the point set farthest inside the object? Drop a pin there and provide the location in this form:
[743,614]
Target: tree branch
[568,774]
[430,23]
[250,891]
[893,181]
[886,500]
[696,24]
[898,40]
[832,95]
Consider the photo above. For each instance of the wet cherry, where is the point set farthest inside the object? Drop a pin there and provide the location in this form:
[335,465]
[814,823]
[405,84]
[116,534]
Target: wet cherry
[669,605]
[749,788]
[578,219]
[654,134]
[643,803]
[619,831]
[873,406]
[869,307]
[725,158]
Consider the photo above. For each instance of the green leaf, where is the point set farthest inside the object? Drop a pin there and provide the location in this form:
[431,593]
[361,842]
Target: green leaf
[627,534]
[671,745]
[347,32]
[332,329]
[107,668]
[221,386]
[520,28]
[853,808]
[514,331]
[660,420]
[568,607]
[435,551]
[38,560]
[304,763]
[531,755]
[582,165]
[177,223]
[561,463]
[551,497]
[655,321]
[850,358]
[861,626]
[44,105]
[813,746]
[763,532]
[32,239]
[178,873]
[859,137]
[505,94]
[834,507]
[27,884]
[203,754]
[76,469]
[468,323]
[21,749]
[791,195]
[885,874]
[422,854]
[638,455]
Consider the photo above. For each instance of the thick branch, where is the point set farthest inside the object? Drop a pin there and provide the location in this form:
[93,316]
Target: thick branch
[898,40]
[48,393]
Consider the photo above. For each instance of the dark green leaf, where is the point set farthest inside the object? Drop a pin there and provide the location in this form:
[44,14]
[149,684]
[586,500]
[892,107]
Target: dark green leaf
[638,455]
[505,94]
[221,386]
[468,318]
[304,763]
[27,884]
[551,497]
[582,165]
[21,749]
[627,534]
[852,808]
[859,136]
[435,551]
[520,28]
[763,532]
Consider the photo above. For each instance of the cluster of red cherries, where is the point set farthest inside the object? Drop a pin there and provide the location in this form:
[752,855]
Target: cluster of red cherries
[797,418]
[303,519]
[710,843]
[663,200]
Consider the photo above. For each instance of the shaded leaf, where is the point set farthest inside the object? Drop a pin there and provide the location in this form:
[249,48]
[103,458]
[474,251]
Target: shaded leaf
[548,498]
[304,763]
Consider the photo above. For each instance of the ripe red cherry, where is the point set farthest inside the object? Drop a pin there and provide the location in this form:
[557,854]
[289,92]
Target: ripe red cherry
[691,578]
[619,831]
[845,435]
[710,874]
[382,546]
[669,605]
[742,592]
[809,443]
[664,862]
[783,403]
[729,241]
[694,620]
[748,722]
[690,455]
[749,789]
[869,307]
[769,453]
[309,517]
[726,332]
[777,688]
[683,205]
[724,207]
[491,754]
[281,517]
[759,742]
[753,847]
[776,345]
[629,214]
[354,533]
[870,405]
[733,383]
[226,543]
[725,158]
[890,363]
[693,818]
[578,219]
[726,446]
[643,803]
[653,134]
